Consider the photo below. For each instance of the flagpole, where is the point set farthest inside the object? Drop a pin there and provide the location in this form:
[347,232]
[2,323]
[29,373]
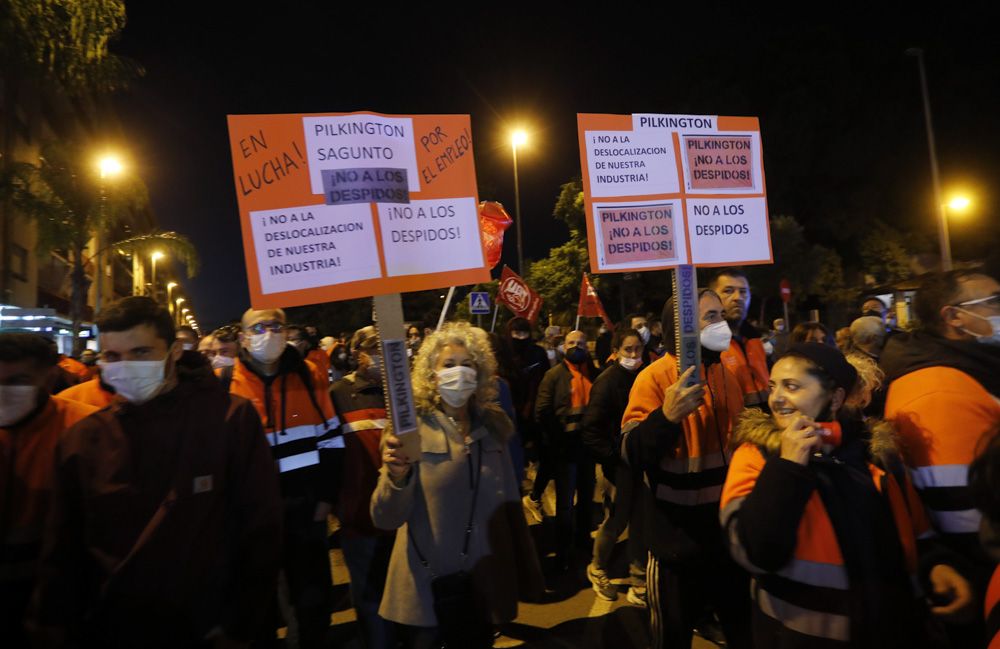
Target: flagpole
[496,310]
[444,311]
[577,327]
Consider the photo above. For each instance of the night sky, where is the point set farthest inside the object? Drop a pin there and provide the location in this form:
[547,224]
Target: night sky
[839,104]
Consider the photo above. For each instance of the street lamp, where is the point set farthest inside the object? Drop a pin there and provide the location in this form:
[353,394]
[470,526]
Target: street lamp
[177,309]
[170,302]
[518,138]
[155,256]
[943,237]
[109,166]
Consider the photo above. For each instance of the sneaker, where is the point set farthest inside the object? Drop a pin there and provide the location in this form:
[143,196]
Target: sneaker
[602,585]
[534,507]
[636,596]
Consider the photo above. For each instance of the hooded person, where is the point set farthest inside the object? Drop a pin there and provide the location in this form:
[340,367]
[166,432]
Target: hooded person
[676,436]
[165,525]
[818,507]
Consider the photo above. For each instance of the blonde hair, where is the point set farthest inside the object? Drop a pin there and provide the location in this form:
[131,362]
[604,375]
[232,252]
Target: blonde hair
[870,379]
[456,334]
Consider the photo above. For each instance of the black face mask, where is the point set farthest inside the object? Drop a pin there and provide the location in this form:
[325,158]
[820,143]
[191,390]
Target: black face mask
[874,314]
[576,355]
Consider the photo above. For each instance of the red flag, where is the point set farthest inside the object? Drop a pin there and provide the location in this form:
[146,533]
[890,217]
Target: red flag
[518,296]
[493,220]
[590,303]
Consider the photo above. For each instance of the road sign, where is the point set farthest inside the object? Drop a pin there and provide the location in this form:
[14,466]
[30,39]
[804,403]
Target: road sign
[786,292]
[479,303]
[662,191]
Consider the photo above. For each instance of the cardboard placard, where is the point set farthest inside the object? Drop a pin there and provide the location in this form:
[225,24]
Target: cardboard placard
[338,206]
[661,191]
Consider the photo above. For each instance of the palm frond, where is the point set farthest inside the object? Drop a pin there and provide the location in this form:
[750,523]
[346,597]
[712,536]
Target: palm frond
[176,246]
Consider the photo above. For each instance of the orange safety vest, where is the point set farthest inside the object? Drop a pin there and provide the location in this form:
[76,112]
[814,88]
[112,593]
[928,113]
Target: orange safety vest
[296,429]
[941,415]
[749,363]
[30,451]
[817,561]
[75,367]
[321,360]
[686,475]
[89,392]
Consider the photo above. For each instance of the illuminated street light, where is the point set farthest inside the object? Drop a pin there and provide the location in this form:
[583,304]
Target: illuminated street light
[959,203]
[109,166]
[155,256]
[518,138]
[170,302]
[177,309]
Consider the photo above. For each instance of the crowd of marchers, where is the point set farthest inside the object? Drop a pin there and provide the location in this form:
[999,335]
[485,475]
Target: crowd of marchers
[796,489]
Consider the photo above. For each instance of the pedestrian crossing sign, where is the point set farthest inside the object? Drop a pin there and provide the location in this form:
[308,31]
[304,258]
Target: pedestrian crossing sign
[479,303]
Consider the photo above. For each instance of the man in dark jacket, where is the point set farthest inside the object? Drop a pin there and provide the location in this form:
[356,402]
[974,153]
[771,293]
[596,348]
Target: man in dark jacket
[602,438]
[562,399]
[166,520]
[530,364]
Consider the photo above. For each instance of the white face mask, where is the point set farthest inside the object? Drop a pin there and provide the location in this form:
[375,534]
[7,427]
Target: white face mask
[551,353]
[630,364]
[644,334]
[768,347]
[16,401]
[135,381]
[222,361]
[716,336]
[267,347]
[456,384]
[989,339]
[187,346]
[520,335]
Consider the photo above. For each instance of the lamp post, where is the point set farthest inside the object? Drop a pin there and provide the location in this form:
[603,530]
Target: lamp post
[956,205]
[109,166]
[518,138]
[177,309]
[943,237]
[170,302]
[152,289]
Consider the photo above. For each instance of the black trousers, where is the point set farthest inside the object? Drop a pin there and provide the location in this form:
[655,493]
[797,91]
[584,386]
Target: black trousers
[678,594]
[306,566]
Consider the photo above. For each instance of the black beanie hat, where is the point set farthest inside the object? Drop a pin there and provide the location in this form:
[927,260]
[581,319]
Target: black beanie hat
[829,360]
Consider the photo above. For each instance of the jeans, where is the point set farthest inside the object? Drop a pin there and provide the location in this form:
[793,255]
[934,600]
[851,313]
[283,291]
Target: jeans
[367,560]
[619,504]
[573,472]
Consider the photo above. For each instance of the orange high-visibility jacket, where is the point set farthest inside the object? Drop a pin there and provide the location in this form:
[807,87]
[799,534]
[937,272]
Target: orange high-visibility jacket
[89,392]
[993,610]
[28,450]
[688,474]
[807,600]
[748,361]
[298,425]
[941,415]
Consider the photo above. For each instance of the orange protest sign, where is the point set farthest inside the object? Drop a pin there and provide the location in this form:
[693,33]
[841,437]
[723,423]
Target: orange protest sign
[337,206]
[662,191]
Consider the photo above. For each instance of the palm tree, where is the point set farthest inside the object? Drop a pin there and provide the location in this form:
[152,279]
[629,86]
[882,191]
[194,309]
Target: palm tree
[62,194]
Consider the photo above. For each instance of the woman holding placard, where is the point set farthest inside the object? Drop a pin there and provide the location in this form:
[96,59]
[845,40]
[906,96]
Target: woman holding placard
[462,554]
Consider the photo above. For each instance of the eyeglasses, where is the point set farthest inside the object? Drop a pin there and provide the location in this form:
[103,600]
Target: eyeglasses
[989,300]
[262,327]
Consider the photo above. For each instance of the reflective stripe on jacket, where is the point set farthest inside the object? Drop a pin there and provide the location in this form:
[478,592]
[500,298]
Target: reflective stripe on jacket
[941,415]
[811,593]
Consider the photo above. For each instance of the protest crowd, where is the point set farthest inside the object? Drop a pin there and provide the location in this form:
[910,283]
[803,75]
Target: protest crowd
[794,490]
